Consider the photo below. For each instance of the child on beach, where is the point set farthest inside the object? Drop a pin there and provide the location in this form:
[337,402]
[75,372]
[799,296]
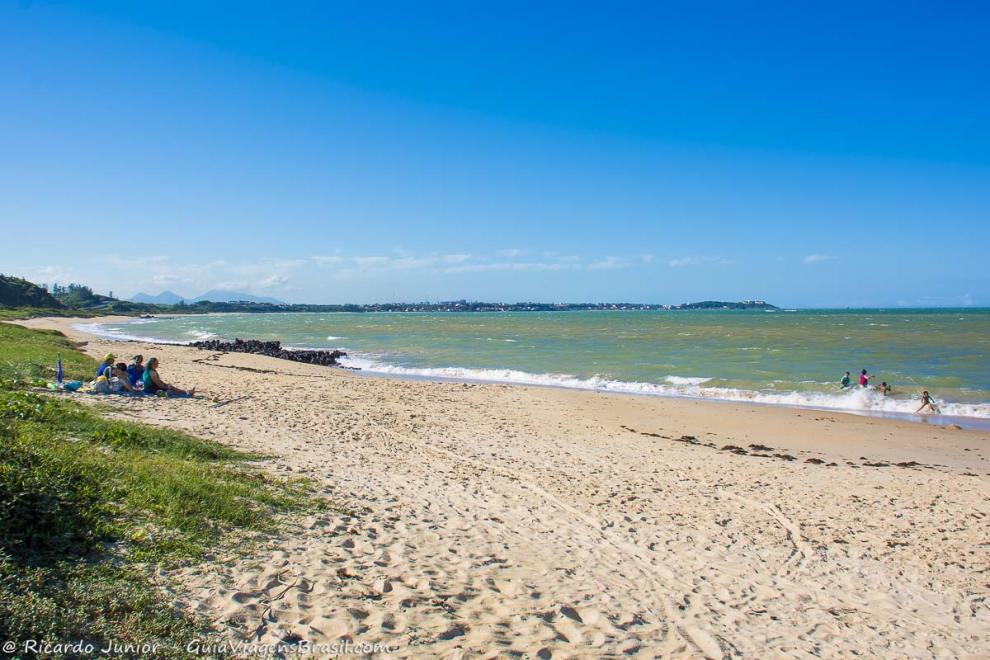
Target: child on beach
[106,364]
[122,382]
[135,370]
[927,402]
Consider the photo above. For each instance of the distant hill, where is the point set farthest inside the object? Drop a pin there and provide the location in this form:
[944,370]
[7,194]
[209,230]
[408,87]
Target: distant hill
[15,292]
[163,298]
[216,295]
[721,304]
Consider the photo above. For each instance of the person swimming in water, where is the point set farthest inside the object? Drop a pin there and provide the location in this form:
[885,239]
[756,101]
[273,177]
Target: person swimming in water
[927,402]
[883,389]
[845,382]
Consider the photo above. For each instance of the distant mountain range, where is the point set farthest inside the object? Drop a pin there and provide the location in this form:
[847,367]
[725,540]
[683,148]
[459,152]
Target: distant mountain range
[214,295]
[163,298]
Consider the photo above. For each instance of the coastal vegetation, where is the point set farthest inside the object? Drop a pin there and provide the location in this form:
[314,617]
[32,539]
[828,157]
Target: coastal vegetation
[22,299]
[91,506]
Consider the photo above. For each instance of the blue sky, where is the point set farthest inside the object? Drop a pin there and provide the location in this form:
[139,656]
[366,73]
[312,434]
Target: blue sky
[659,152]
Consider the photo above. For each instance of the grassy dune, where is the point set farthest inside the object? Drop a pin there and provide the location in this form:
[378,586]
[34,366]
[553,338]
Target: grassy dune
[89,505]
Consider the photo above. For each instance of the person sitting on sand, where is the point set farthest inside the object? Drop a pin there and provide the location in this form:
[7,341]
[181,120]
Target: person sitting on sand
[927,402]
[845,382]
[864,379]
[135,370]
[123,383]
[153,384]
[884,389]
[107,363]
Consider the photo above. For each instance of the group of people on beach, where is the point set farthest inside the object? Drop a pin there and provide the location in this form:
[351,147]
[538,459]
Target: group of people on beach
[138,376]
[884,389]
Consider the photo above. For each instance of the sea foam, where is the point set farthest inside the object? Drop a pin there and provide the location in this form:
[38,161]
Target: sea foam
[852,400]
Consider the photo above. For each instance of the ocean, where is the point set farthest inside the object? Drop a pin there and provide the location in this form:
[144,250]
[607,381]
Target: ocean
[793,358]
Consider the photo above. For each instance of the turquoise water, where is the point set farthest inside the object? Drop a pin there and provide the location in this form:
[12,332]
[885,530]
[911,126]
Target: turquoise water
[789,358]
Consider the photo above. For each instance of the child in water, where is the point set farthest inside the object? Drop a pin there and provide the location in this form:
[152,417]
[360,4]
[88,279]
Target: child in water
[927,402]
[846,382]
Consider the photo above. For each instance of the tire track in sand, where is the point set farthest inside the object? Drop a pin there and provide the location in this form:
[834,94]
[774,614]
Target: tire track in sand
[701,640]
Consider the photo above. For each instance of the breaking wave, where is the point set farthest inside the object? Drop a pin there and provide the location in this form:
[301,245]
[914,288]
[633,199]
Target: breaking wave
[854,400]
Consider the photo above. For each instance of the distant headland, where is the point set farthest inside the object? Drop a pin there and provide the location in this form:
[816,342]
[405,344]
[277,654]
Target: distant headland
[17,293]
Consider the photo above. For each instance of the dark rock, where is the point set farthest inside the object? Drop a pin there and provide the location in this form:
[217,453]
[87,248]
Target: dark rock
[271,349]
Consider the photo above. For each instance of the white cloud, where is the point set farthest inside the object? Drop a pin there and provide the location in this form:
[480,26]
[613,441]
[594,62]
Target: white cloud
[610,263]
[817,258]
[274,280]
[50,275]
[697,260]
[373,262]
[126,275]
[508,265]
[328,259]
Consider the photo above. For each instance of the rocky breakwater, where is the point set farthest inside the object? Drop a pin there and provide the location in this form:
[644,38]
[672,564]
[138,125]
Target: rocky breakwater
[271,349]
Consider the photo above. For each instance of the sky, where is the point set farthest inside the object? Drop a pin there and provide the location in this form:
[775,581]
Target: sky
[832,155]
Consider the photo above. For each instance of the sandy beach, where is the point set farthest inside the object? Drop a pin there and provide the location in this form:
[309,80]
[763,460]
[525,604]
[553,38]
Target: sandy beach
[489,520]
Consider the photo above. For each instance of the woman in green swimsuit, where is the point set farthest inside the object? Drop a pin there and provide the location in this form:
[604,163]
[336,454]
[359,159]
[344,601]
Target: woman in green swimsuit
[153,384]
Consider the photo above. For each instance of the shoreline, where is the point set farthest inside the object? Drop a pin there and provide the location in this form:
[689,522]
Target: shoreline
[486,518]
[706,407]
[939,420]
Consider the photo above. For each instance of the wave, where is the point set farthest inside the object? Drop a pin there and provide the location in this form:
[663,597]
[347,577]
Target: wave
[852,400]
[200,335]
[685,380]
[110,332]
[855,400]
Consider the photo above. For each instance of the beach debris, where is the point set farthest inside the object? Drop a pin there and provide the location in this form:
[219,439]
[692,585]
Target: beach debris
[271,349]
[221,404]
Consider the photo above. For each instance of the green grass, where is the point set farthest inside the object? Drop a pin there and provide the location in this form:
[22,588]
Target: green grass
[16,313]
[28,355]
[89,505]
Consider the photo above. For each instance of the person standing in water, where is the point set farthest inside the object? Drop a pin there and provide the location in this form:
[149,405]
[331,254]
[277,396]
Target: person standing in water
[864,379]
[845,382]
[927,402]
